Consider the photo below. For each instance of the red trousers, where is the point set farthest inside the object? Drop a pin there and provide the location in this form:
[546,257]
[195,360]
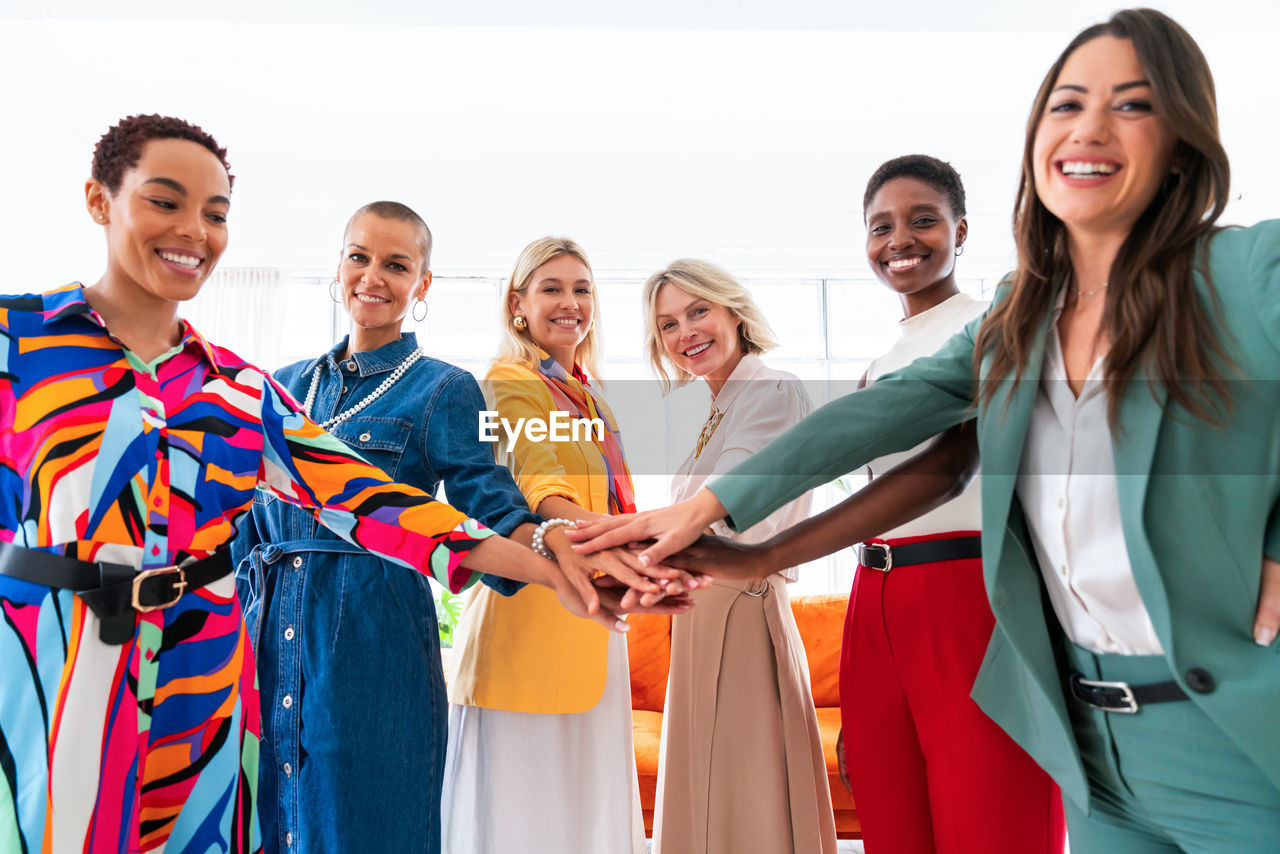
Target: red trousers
[930,772]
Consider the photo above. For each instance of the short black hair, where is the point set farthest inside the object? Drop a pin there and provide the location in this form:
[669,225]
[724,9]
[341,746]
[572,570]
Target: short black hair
[939,174]
[400,213]
[121,146]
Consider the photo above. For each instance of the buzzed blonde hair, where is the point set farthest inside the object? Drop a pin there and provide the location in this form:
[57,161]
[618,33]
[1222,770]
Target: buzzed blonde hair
[516,345]
[703,280]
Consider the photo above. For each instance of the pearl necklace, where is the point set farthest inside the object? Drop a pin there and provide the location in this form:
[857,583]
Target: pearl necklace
[370,398]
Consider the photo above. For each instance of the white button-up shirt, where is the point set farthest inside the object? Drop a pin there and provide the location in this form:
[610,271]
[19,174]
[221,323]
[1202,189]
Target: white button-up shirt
[759,404]
[1067,487]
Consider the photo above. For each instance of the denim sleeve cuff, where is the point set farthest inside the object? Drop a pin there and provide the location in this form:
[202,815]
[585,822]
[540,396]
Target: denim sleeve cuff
[505,525]
[505,586]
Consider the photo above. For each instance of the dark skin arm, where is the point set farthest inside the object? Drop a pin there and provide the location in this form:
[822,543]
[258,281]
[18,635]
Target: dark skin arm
[909,490]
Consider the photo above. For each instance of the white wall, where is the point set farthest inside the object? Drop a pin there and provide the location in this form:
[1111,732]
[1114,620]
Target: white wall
[748,145]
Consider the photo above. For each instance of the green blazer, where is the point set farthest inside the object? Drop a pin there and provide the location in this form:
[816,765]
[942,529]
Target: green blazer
[1199,509]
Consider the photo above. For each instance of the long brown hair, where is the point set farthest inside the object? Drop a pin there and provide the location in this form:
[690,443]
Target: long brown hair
[1153,316]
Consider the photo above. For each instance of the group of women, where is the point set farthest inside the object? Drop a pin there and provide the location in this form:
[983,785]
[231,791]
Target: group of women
[1106,589]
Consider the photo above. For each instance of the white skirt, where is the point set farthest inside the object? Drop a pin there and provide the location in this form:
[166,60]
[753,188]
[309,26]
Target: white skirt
[545,784]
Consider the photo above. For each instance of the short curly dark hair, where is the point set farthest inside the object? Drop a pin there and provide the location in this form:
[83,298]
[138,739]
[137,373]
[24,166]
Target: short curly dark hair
[121,146]
[939,174]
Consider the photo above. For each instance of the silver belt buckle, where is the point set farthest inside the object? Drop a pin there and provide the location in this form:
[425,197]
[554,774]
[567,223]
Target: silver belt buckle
[888,556]
[1132,704]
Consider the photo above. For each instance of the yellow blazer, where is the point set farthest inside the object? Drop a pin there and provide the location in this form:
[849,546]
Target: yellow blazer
[526,653]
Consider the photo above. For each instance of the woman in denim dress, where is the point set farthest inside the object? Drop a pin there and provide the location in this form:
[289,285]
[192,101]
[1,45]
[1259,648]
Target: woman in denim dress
[353,695]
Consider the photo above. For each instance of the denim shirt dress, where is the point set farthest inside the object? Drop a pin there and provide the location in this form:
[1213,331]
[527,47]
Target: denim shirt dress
[354,711]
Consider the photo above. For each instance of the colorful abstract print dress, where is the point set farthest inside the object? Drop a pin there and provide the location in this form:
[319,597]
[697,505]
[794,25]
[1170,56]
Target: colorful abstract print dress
[153,745]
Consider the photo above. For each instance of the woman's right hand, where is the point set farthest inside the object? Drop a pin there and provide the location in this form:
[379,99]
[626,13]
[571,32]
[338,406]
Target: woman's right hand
[724,558]
[672,528]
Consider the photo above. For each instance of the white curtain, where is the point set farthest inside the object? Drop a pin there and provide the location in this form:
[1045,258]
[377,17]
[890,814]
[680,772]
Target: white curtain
[242,308]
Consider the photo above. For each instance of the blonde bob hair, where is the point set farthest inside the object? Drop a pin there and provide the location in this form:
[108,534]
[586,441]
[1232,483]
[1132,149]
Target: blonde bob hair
[705,281]
[516,344]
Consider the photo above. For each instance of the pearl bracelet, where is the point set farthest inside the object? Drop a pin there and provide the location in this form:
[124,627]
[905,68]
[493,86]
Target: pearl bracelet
[538,546]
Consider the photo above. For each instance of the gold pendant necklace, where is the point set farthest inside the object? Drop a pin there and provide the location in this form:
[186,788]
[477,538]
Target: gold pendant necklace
[708,430]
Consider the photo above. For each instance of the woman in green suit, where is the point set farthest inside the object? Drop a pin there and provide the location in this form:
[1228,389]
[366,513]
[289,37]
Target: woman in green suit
[1126,394]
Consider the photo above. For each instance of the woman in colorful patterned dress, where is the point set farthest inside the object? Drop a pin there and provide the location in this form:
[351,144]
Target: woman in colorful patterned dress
[128,707]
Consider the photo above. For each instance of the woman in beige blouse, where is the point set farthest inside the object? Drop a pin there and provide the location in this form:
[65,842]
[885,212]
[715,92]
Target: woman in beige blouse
[741,768]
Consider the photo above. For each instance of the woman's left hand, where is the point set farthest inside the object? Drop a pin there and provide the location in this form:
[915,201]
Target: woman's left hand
[1267,623]
[622,600]
[618,564]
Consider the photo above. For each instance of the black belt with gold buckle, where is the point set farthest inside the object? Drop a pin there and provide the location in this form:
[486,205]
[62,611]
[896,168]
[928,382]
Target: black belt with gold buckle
[114,592]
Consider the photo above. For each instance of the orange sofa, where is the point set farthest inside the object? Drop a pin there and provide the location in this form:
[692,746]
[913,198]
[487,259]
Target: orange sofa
[821,622]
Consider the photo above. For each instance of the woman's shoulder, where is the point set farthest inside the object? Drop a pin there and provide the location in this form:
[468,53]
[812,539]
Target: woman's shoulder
[437,372]
[51,304]
[510,371]
[768,386]
[1251,245]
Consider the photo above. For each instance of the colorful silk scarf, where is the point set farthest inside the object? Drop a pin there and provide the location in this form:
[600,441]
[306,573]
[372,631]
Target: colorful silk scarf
[573,394]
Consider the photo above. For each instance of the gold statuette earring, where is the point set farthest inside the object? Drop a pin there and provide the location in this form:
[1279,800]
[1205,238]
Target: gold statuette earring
[519,322]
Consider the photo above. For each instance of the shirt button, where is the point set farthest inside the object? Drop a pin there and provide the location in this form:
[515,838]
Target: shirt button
[364,437]
[288,770]
[158,501]
[351,364]
[344,389]
[287,702]
[288,633]
[297,562]
[159,455]
[1064,569]
[1062,502]
[288,839]
[155,550]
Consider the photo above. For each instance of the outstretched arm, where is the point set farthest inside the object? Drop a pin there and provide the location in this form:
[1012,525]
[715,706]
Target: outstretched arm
[897,412]
[909,490]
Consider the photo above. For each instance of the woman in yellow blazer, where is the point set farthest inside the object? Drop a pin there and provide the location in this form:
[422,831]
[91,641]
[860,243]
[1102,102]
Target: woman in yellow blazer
[541,701]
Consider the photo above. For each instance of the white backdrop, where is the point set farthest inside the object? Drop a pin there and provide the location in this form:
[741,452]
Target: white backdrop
[749,144]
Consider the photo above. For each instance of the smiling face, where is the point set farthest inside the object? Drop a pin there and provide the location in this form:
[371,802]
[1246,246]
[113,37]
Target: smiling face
[558,305]
[700,336]
[1101,149]
[167,224]
[382,275]
[912,235]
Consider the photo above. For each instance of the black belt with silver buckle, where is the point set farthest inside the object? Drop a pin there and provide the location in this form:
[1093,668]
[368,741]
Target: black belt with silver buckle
[1121,696]
[885,557]
[114,592]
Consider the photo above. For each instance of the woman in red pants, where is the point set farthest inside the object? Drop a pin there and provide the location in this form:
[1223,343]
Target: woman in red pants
[929,771]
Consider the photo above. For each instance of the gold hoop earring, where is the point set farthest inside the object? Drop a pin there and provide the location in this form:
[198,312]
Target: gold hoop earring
[519,322]
[332,295]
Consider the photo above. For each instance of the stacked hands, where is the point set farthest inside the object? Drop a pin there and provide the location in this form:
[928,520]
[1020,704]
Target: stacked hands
[650,562]
[669,544]
[606,583]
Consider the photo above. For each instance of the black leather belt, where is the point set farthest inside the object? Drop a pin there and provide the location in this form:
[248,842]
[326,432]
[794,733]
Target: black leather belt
[114,592]
[1121,696]
[885,557]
